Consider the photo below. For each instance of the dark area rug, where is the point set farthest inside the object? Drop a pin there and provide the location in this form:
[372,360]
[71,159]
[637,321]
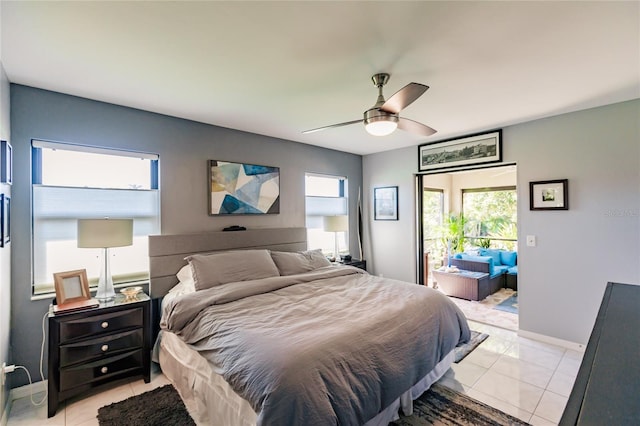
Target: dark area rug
[465,349]
[443,406]
[437,406]
[159,407]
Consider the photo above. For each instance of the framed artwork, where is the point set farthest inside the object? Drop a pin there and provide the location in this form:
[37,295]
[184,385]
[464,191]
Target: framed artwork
[71,286]
[549,195]
[385,203]
[5,220]
[461,152]
[6,160]
[237,188]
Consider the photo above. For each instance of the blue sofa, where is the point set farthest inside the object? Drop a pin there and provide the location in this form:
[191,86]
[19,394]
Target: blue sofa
[501,265]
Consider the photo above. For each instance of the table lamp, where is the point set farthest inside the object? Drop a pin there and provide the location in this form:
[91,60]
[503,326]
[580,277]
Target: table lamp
[104,234]
[336,224]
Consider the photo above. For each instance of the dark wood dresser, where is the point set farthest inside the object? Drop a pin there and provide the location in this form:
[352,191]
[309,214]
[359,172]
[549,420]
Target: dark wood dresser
[607,387]
[96,346]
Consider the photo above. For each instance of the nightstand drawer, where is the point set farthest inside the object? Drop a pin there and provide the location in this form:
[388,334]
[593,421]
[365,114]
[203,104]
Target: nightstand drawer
[103,346]
[100,324]
[71,377]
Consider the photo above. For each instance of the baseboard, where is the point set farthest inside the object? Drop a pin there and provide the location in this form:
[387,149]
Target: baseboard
[552,340]
[27,390]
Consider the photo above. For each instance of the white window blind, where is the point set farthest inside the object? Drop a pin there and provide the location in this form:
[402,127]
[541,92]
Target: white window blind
[324,196]
[318,207]
[57,208]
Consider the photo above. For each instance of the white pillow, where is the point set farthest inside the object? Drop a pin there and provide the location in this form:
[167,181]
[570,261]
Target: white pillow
[183,287]
[185,273]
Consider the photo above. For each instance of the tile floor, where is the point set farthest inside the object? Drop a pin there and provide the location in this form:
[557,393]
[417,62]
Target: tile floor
[525,378]
[528,379]
[81,411]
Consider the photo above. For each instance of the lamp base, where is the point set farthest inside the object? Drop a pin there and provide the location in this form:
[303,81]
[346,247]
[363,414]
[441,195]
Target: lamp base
[105,292]
[103,295]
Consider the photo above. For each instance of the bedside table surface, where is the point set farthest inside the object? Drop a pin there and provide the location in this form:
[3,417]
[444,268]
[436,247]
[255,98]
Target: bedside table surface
[362,264]
[119,300]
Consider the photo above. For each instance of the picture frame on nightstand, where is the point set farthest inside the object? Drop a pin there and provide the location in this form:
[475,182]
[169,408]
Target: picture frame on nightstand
[72,291]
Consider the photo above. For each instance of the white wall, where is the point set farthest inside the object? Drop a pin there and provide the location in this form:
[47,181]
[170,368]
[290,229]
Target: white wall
[390,246]
[597,240]
[561,281]
[5,252]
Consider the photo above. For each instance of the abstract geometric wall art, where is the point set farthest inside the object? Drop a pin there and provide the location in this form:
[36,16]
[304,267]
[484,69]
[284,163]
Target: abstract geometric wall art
[236,188]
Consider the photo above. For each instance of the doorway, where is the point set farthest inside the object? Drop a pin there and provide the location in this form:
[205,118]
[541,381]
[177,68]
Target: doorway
[466,212]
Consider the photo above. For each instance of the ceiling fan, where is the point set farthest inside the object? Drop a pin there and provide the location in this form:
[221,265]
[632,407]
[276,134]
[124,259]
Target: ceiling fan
[382,119]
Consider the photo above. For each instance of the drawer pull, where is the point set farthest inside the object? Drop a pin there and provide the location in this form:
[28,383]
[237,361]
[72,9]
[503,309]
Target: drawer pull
[104,324]
[105,348]
[104,370]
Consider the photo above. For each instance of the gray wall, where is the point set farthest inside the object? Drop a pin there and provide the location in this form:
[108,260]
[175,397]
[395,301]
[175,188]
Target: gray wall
[5,252]
[184,148]
[562,280]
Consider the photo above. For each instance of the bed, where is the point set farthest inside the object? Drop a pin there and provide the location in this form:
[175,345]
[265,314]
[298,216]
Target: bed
[256,330]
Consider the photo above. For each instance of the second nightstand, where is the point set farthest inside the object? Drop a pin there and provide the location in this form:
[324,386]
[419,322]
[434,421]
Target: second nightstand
[97,346]
[362,264]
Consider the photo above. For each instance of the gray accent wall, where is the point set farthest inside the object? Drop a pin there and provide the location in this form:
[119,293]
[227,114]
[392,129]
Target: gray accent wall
[184,148]
[561,281]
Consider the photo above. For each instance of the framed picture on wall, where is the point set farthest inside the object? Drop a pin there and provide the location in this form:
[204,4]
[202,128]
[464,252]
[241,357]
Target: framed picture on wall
[461,152]
[239,188]
[549,195]
[6,158]
[5,220]
[385,203]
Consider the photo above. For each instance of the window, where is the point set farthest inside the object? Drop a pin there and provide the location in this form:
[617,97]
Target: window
[432,219]
[491,216]
[325,196]
[72,182]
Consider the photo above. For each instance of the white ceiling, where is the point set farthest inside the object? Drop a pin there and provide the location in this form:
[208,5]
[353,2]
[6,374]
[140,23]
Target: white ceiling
[278,68]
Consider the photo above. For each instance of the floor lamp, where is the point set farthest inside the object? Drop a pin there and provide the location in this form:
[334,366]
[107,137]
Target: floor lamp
[105,234]
[336,224]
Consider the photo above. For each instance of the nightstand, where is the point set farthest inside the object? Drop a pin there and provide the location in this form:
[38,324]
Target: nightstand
[362,264]
[97,346]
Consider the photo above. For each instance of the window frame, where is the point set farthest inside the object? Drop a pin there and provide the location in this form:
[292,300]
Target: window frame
[342,182]
[37,145]
[464,191]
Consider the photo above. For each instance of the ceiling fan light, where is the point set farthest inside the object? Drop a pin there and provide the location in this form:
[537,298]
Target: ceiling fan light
[381,126]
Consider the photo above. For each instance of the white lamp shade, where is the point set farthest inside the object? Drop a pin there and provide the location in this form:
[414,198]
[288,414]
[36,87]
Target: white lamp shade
[104,233]
[336,223]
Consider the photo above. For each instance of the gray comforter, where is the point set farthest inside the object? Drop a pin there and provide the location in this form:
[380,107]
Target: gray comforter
[330,347]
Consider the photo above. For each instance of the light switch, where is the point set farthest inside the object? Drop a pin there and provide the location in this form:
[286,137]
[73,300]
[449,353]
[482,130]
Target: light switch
[531,240]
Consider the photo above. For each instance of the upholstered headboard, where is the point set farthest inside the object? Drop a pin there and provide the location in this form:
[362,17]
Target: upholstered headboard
[167,252]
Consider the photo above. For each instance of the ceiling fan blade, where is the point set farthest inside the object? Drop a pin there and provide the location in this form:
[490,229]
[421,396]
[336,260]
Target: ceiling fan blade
[415,127]
[332,126]
[404,97]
